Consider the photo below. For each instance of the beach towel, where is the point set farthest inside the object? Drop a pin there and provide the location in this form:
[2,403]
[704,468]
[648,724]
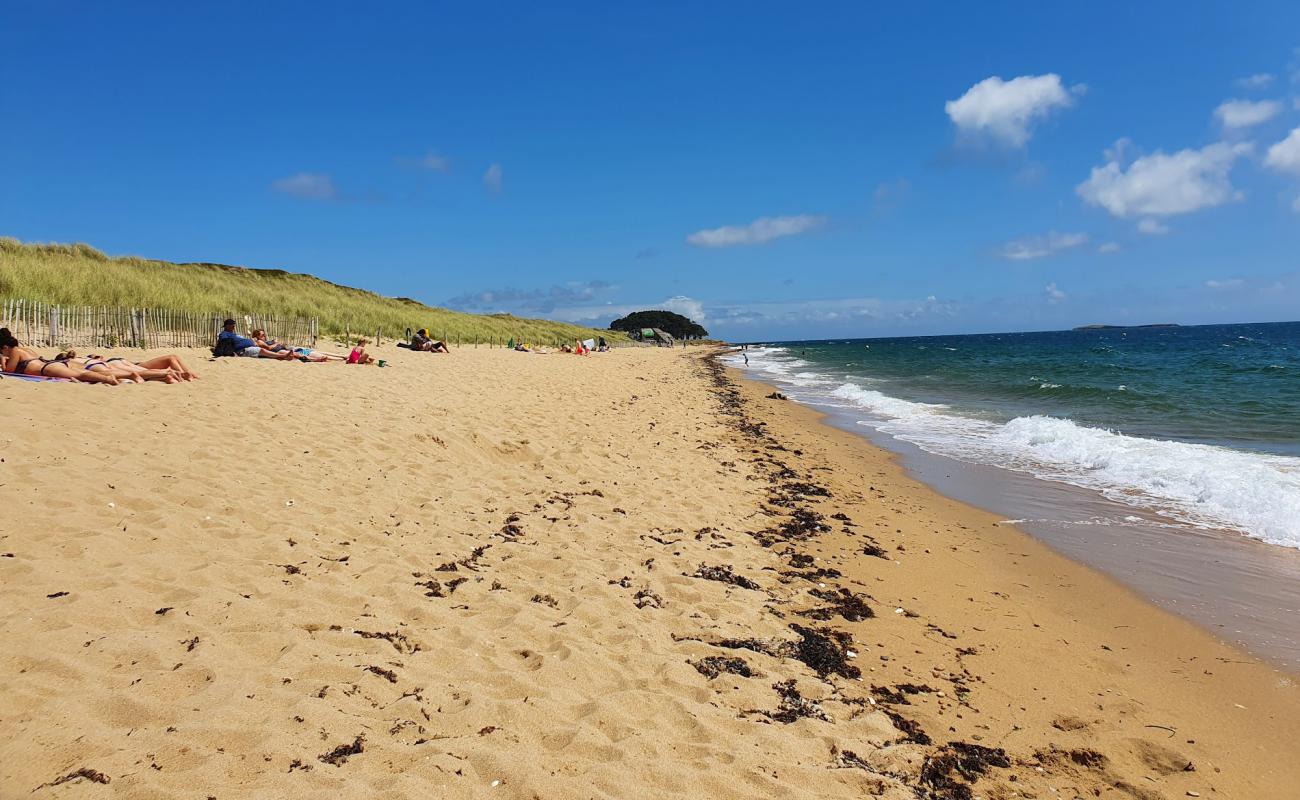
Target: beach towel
[33,377]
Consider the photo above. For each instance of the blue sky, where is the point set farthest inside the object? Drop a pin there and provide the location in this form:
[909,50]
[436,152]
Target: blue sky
[775,170]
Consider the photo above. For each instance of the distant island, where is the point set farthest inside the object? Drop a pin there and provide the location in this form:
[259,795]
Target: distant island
[1120,327]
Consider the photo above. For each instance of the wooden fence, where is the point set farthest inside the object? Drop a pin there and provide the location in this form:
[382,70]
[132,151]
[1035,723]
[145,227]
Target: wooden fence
[45,325]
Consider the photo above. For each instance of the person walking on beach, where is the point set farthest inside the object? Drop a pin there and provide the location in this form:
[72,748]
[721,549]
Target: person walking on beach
[746,355]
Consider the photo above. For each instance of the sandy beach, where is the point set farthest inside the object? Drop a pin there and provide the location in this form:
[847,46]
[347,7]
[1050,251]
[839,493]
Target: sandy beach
[495,574]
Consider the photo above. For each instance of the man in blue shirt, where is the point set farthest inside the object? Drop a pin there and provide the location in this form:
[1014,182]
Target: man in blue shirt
[247,347]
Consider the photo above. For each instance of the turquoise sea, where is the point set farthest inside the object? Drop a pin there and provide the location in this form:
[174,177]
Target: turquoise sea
[1197,425]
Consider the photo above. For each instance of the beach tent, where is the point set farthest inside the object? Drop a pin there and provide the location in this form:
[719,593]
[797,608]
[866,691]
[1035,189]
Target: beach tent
[647,334]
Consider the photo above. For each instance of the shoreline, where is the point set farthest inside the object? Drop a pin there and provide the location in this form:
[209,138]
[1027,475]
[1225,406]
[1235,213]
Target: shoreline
[453,574]
[1240,588]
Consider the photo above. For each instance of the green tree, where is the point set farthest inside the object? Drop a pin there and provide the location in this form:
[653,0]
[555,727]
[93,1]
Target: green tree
[680,327]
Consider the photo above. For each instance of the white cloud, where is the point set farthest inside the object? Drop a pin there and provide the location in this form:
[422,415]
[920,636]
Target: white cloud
[1108,247]
[492,178]
[1031,247]
[1227,283]
[687,307]
[307,185]
[1152,227]
[1246,113]
[1006,110]
[1054,295]
[1164,184]
[1295,205]
[761,230]
[1257,81]
[1285,155]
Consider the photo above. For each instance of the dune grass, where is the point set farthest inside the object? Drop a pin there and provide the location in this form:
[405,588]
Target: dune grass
[80,275]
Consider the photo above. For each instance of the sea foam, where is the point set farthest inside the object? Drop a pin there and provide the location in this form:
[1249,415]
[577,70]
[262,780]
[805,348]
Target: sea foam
[1202,485]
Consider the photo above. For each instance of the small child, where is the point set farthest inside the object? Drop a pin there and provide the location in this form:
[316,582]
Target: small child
[358,354]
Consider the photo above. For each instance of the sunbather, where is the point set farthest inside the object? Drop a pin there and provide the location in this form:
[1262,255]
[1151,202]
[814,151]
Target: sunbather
[119,367]
[21,361]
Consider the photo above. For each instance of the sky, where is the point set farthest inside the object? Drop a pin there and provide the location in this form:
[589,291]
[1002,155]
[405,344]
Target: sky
[772,170]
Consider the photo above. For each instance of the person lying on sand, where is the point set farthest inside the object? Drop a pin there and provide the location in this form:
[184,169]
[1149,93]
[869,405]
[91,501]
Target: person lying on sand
[163,362]
[117,367]
[358,354]
[21,361]
[302,353]
[422,341]
[245,346]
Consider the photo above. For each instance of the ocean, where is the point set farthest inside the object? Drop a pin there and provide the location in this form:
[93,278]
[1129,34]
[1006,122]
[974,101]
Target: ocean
[1195,426]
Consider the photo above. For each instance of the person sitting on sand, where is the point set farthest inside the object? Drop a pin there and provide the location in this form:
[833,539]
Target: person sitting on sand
[601,346]
[359,355]
[245,346]
[259,338]
[18,360]
[422,341]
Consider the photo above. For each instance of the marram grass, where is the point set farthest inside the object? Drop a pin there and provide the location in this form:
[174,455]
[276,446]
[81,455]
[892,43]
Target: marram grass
[80,275]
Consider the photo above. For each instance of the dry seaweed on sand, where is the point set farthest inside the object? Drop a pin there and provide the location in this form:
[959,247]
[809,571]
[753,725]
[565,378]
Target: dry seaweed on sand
[647,599]
[724,574]
[911,729]
[343,752]
[713,666]
[397,639]
[842,603]
[825,651]
[968,761]
[85,773]
[793,706]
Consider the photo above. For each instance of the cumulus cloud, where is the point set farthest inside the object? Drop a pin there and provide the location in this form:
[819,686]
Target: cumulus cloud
[1259,80]
[1226,283]
[307,185]
[760,231]
[1006,111]
[1152,227]
[1031,247]
[1164,184]
[1246,113]
[1054,294]
[1108,247]
[1285,155]
[687,307]
[492,178]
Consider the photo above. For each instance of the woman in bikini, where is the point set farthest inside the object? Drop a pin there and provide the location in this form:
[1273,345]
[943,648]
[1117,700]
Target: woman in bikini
[21,361]
[123,369]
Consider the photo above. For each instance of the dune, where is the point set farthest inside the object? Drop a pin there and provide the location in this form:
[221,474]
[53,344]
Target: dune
[501,574]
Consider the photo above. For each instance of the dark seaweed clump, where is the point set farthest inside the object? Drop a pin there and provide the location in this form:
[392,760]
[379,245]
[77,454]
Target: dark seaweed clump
[713,666]
[958,759]
[842,603]
[724,574]
[825,651]
[793,705]
[343,752]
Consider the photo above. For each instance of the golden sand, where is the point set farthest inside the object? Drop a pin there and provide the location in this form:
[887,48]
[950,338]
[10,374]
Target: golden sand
[494,574]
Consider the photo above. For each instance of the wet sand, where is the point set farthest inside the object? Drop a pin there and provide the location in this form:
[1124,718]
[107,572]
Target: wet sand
[498,574]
